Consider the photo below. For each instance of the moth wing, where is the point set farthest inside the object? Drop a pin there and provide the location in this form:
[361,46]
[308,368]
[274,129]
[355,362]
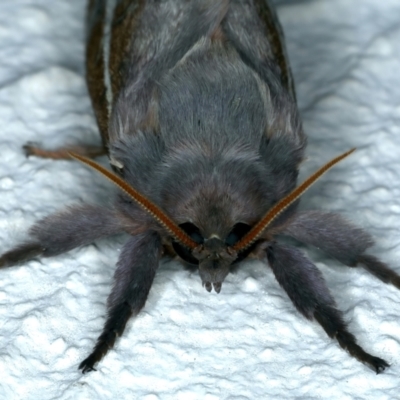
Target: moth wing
[256,33]
[131,44]
[110,27]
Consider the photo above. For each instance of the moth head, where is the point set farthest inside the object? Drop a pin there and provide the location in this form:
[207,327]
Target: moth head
[213,254]
[215,259]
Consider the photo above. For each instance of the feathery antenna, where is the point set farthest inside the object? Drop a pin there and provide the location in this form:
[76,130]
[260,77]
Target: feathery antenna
[283,204]
[142,201]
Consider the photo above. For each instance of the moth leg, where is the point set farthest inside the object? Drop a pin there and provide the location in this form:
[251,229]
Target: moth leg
[379,269]
[305,286]
[63,231]
[62,153]
[20,254]
[340,239]
[133,278]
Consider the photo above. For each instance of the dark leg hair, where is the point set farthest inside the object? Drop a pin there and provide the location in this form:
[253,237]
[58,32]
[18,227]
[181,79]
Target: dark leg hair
[63,231]
[340,239]
[305,286]
[134,276]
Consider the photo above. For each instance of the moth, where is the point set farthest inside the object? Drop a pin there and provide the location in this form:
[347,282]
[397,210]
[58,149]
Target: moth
[197,112]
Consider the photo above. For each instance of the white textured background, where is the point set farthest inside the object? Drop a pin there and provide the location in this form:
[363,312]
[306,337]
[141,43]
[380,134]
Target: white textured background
[247,342]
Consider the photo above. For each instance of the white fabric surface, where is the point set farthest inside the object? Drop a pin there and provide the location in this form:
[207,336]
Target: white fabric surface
[248,342]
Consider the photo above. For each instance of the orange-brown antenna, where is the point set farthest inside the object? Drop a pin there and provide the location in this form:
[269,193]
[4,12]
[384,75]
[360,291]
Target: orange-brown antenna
[283,204]
[142,201]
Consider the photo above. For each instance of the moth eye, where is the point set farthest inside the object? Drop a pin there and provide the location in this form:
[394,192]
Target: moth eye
[237,232]
[194,232]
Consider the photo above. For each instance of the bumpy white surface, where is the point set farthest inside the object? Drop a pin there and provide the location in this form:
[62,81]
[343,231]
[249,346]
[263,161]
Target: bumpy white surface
[248,342]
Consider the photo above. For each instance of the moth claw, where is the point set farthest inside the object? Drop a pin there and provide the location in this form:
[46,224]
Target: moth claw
[217,286]
[379,365]
[87,365]
[29,148]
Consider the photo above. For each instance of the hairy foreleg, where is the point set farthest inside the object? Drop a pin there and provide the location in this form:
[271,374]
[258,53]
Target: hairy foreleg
[63,231]
[340,239]
[305,286]
[133,278]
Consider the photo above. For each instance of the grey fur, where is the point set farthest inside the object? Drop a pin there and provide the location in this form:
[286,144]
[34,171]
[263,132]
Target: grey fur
[223,142]
[205,125]
[331,233]
[135,271]
[306,288]
[168,30]
[300,278]
[74,227]
[133,278]
[61,232]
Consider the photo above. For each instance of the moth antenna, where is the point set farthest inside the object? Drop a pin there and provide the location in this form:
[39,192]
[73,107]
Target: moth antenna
[142,201]
[283,204]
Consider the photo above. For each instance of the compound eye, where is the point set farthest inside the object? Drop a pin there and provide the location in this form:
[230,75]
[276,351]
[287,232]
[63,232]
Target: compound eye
[183,252]
[237,232]
[193,231]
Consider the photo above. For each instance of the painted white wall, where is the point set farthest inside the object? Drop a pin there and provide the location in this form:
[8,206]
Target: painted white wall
[248,342]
